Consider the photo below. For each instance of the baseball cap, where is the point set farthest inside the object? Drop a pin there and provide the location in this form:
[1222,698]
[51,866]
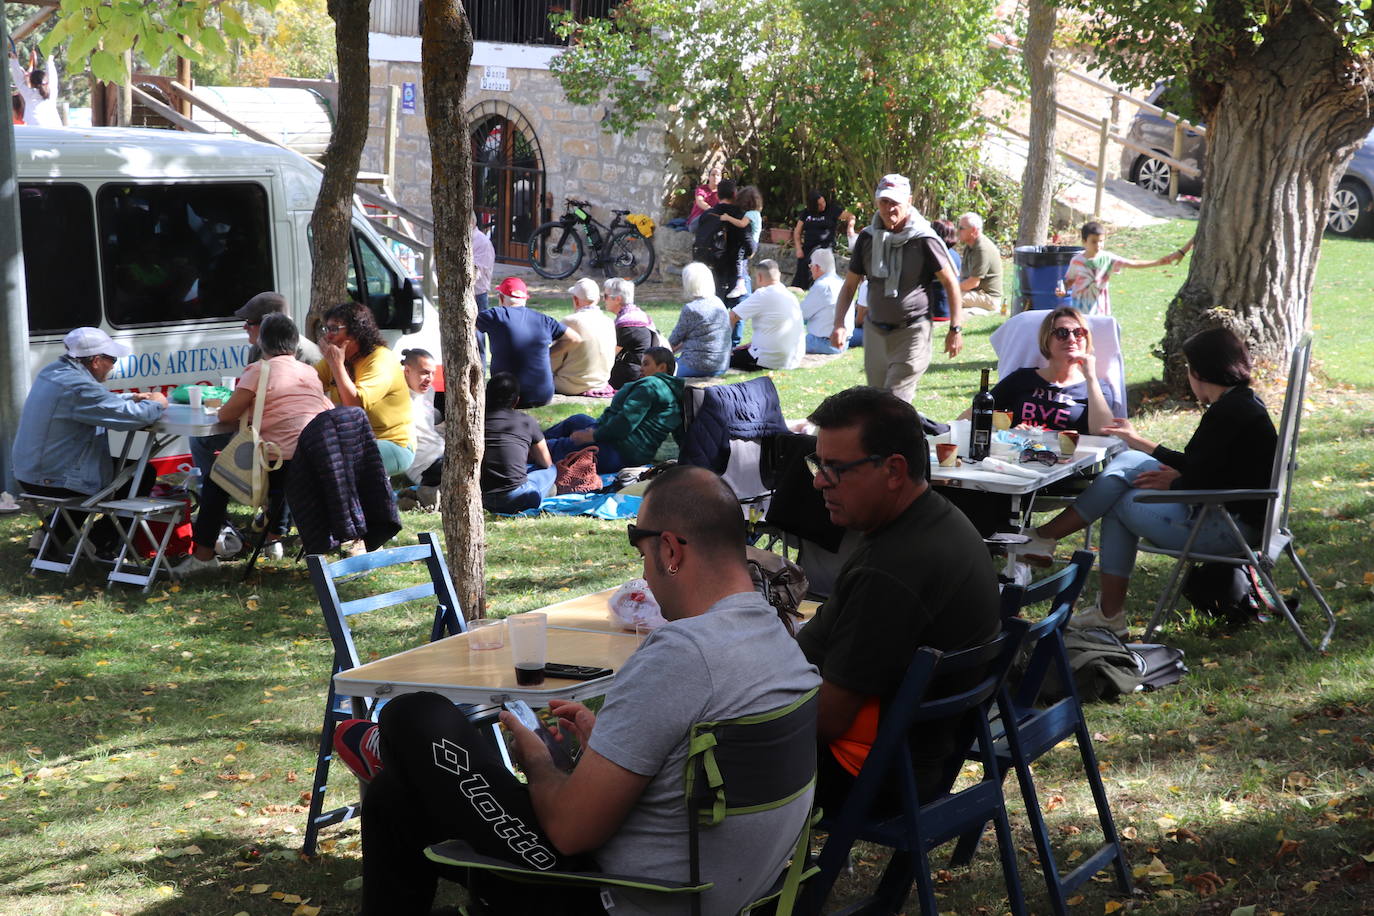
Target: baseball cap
[586,289]
[260,306]
[513,288]
[93,342]
[894,187]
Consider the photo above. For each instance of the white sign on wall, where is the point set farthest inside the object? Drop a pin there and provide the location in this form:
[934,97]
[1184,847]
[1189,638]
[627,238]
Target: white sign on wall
[495,73]
[494,79]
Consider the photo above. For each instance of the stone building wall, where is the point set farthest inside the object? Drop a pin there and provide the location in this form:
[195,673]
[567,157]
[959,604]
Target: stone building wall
[580,160]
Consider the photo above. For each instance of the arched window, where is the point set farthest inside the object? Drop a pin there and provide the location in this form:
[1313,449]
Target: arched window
[507,178]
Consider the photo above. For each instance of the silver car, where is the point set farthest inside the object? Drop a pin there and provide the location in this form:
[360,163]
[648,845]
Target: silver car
[1350,212]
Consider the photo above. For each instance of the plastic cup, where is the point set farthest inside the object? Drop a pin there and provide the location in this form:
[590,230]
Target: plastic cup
[486,634]
[529,646]
[227,381]
[947,453]
[195,394]
[1068,442]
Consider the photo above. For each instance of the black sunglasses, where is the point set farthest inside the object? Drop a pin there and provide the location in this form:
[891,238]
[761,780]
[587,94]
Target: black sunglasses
[637,534]
[1044,456]
[1066,333]
[831,472]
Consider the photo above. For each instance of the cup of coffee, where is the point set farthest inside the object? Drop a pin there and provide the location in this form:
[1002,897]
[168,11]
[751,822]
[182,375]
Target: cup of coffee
[947,453]
[1068,442]
[194,392]
[529,646]
[486,634]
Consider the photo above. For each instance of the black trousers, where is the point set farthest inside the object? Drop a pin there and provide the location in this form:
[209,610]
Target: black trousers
[442,779]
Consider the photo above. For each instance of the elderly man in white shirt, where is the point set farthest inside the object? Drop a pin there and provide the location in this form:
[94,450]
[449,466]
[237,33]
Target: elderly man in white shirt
[818,306]
[428,466]
[779,340]
[585,367]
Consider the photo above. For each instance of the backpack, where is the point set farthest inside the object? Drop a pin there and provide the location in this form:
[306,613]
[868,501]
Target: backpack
[1105,667]
[709,245]
[1223,591]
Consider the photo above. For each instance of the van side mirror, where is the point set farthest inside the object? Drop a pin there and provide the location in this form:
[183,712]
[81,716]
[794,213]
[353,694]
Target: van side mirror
[408,297]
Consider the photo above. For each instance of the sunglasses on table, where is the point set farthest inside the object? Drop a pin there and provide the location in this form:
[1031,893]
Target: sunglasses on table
[830,473]
[1040,456]
[1065,333]
[637,534]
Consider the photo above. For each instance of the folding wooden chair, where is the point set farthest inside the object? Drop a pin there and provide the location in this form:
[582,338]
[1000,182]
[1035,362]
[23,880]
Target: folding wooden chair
[325,577]
[1025,732]
[735,766]
[1277,537]
[922,824]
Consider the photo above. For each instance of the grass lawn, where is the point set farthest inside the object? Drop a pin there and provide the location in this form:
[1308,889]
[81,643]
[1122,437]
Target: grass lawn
[156,749]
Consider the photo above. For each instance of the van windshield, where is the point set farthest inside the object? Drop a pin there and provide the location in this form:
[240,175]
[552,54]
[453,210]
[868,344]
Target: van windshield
[180,252]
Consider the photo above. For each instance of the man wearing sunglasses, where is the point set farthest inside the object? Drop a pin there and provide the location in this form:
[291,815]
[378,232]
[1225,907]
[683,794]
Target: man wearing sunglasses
[920,576]
[722,654]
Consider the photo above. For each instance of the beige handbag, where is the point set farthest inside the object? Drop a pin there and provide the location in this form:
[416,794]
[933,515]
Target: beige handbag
[242,466]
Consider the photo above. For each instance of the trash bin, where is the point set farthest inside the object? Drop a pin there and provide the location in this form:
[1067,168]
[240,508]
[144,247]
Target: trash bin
[1039,268]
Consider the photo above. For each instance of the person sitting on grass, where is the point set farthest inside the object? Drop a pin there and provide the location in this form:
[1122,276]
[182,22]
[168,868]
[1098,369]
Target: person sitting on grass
[512,442]
[1232,448]
[630,430]
[779,340]
[294,397]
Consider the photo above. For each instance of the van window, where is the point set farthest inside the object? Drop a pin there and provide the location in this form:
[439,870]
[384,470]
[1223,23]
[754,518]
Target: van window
[379,281]
[181,252]
[60,273]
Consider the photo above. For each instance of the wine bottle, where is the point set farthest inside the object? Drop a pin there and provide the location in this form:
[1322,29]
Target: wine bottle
[980,434]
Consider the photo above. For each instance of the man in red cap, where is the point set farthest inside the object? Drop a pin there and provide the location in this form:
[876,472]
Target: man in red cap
[522,341]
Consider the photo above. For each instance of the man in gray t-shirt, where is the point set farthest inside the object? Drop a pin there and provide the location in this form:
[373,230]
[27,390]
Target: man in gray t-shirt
[724,653]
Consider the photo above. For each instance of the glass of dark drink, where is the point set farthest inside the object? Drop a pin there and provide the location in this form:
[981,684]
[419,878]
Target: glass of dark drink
[528,635]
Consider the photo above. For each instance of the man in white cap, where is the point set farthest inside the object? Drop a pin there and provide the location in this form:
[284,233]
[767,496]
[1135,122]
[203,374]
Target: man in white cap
[585,367]
[902,258]
[61,448]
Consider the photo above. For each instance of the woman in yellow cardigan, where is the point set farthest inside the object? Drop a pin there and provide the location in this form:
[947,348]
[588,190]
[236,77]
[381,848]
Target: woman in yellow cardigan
[359,371]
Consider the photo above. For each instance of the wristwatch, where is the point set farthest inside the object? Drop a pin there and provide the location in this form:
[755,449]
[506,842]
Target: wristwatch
[956,329]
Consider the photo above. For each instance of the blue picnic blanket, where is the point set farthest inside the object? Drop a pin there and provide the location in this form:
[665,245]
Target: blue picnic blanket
[599,505]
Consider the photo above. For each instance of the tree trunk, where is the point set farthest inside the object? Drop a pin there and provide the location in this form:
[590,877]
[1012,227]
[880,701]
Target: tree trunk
[446,54]
[1287,119]
[330,223]
[1037,183]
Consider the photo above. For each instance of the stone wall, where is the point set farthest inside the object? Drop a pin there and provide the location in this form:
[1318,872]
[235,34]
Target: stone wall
[580,160]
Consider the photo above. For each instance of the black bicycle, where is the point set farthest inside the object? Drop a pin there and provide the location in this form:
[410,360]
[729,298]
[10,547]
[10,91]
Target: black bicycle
[621,249]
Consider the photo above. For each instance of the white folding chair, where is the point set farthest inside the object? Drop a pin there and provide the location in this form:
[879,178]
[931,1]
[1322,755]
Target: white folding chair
[1017,345]
[133,517]
[54,511]
[1276,538]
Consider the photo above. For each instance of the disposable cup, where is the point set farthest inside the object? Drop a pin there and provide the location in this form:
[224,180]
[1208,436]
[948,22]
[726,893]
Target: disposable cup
[486,634]
[195,394]
[227,381]
[1067,440]
[529,646]
[947,453]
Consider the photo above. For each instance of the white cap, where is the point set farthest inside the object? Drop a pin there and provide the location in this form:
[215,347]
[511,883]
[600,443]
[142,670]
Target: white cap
[586,290]
[93,342]
[893,187]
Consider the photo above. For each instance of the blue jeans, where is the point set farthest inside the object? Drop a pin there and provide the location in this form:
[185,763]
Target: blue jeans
[559,439]
[816,344]
[1113,499]
[527,495]
[857,338]
[687,370]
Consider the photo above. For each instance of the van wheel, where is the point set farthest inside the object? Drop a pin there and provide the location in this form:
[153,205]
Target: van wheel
[1152,175]
[1348,212]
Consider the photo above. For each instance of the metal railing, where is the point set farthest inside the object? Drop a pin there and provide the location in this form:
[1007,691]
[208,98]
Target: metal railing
[518,22]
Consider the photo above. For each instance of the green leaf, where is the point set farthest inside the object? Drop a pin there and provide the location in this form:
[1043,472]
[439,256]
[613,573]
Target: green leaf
[213,42]
[108,67]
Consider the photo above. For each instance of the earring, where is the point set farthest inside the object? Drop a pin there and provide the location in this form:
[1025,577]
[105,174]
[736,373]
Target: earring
[672,570]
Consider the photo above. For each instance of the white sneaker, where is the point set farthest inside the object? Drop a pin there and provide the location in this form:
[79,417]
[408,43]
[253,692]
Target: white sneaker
[228,544]
[273,550]
[1092,617]
[739,290]
[190,566]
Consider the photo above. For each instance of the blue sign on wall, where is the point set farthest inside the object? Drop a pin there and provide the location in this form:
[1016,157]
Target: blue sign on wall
[407,98]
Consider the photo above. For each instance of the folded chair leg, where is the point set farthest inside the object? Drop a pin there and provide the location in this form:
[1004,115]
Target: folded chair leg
[1316,593]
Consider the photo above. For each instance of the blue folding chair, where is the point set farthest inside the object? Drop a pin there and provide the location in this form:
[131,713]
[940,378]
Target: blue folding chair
[918,826]
[1025,732]
[325,576]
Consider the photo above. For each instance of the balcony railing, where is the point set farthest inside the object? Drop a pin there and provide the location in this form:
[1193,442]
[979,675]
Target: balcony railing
[521,22]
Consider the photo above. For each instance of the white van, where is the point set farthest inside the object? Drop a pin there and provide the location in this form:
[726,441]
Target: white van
[158,236]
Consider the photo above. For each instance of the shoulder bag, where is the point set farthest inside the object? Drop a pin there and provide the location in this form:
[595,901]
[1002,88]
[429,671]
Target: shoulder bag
[242,466]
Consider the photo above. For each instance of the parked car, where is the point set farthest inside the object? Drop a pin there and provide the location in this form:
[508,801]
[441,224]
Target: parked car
[1349,212]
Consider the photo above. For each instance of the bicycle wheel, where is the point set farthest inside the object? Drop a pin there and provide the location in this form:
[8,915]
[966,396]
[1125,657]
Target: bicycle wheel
[555,251]
[631,256]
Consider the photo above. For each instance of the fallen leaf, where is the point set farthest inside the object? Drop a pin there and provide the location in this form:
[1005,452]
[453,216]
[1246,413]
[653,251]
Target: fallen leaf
[1111,906]
[259,888]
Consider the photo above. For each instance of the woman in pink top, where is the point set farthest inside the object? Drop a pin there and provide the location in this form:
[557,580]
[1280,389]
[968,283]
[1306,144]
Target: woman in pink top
[704,198]
[295,396]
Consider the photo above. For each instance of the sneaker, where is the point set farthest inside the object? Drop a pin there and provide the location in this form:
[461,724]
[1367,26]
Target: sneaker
[356,745]
[1092,617]
[228,544]
[739,290]
[273,550]
[190,566]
